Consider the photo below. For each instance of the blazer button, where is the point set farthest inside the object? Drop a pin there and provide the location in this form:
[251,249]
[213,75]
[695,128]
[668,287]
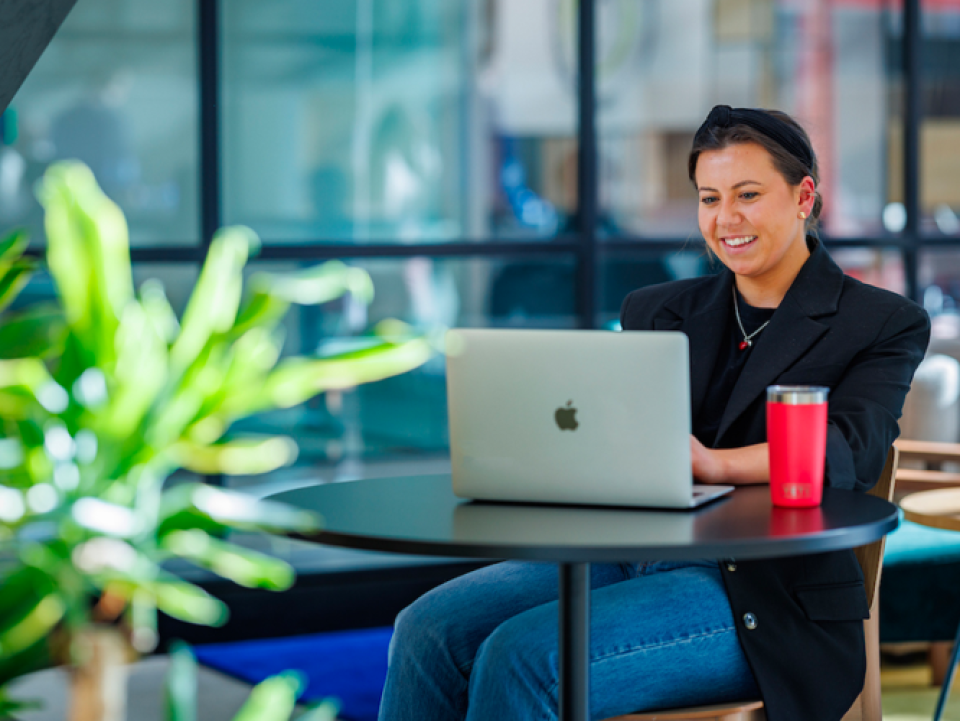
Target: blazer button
[750,621]
[731,565]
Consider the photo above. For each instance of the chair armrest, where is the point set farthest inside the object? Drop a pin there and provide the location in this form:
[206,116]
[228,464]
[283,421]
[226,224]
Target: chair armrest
[927,451]
[911,480]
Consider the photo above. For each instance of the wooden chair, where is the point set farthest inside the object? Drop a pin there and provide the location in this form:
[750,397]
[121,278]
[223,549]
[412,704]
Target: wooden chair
[867,705]
[931,455]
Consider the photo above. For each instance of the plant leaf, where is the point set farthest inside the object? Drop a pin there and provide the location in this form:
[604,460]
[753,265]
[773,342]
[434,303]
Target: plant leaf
[12,245]
[235,458]
[240,565]
[187,602]
[13,279]
[298,379]
[319,284]
[326,710]
[181,684]
[139,375]
[273,699]
[38,332]
[34,626]
[213,305]
[195,505]
[88,255]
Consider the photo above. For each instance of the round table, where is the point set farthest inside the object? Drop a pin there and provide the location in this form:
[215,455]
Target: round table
[420,515]
[937,509]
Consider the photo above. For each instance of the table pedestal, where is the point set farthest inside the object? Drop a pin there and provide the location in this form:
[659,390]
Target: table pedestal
[574,691]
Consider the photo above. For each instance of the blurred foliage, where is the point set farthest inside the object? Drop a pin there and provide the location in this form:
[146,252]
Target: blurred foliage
[271,700]
[106,392]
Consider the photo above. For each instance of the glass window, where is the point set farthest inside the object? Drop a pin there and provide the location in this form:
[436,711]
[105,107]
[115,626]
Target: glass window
[940,133]
[939,282]
[882,267]
[407,121]
[621,273]
[662,66]
[405,417]
[117,89]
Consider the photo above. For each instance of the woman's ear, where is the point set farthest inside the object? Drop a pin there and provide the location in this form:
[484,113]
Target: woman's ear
[807,195]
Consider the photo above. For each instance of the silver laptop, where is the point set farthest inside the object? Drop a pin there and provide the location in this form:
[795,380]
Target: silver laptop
[583,417]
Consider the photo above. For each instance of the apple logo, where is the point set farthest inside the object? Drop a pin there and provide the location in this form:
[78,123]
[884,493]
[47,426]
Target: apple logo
[566,417]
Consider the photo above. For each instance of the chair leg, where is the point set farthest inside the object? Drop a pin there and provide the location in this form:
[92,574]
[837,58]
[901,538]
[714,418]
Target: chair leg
[939,659]
[870,707]
[948,679]
[867,706]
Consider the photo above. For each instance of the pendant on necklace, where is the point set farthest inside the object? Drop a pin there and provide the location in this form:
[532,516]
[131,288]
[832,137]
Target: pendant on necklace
[744,344]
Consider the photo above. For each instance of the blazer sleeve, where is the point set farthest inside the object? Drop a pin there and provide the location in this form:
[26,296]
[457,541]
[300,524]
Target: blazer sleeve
[865,405]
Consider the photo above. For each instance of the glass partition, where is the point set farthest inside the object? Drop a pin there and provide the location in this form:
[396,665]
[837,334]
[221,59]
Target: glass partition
[117,89]
[662,66]
[409,121]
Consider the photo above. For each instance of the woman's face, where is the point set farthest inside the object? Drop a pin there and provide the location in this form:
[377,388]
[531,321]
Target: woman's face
[749,215]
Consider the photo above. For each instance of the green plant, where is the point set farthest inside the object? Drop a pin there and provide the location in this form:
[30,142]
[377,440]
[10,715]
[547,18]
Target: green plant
[104,394]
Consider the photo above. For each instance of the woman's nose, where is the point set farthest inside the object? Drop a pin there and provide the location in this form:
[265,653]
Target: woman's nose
[727,215]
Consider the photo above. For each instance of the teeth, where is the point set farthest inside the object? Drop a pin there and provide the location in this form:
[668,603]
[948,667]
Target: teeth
[734,242]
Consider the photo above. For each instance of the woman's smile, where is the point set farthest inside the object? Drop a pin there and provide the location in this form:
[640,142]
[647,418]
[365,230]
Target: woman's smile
[739,242]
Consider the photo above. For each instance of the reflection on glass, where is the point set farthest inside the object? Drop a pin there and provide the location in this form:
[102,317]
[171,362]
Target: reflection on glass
[409,121]
[405,416]
[939,282]
[117,89]
[822,62]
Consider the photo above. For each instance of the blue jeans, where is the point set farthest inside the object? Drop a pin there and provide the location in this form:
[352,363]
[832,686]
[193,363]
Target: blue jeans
[484,646]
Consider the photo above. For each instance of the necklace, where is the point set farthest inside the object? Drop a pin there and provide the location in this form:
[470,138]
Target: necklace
[746,342]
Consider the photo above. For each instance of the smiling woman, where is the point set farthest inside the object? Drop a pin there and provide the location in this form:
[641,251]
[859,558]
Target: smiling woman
[677,634]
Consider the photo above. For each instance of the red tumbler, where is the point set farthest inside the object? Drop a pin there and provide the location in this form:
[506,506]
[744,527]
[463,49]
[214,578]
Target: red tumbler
[797,435]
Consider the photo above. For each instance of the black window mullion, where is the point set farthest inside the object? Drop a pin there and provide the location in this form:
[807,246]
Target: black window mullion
[208,40]
[912,118]
[208,36]
[587,194]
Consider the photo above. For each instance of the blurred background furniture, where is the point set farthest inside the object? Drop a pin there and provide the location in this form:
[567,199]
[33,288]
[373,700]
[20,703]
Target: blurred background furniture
[939,508]
[920,594]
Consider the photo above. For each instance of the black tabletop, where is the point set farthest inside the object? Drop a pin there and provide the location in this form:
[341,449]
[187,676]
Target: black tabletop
[420,515]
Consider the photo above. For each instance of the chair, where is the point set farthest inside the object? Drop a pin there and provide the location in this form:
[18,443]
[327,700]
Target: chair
[920,602]
[867,705]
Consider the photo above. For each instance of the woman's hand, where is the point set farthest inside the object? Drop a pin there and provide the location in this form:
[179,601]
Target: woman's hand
[736,466]
[707,464]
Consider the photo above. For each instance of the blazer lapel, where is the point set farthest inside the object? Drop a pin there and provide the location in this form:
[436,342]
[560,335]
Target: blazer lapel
[703,316]
[792,331]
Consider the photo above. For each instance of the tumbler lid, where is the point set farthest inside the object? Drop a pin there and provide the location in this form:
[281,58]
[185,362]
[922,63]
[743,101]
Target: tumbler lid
[797,395]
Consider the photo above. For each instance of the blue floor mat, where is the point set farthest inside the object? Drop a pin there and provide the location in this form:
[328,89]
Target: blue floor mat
[348,665]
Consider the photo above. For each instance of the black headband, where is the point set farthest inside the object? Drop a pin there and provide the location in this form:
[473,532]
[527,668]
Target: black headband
[723,116]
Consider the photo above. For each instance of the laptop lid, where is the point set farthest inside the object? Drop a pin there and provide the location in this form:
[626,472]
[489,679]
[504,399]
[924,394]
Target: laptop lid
[586,417]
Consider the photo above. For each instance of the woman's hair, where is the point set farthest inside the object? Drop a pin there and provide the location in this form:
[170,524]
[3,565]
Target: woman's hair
[776,132]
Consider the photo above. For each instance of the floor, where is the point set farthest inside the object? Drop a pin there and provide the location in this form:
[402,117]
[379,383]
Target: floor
[907,694]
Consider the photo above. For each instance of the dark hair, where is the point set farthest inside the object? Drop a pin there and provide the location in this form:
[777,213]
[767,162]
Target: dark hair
[776,132]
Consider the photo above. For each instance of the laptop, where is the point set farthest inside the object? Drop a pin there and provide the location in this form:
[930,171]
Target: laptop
[572,416]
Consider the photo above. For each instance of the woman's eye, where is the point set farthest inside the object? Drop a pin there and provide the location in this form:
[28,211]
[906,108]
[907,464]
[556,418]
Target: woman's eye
[750,195]
[708,200]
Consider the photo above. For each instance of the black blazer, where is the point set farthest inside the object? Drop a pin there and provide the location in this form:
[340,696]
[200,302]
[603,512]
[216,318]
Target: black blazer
[806,649]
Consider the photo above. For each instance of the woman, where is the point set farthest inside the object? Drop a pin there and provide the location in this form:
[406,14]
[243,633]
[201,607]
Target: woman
[484,646]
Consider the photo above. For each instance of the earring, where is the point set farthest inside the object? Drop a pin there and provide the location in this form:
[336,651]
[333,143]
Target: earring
[802,215]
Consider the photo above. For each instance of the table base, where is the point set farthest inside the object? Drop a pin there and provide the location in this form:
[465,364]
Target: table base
[574,690]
